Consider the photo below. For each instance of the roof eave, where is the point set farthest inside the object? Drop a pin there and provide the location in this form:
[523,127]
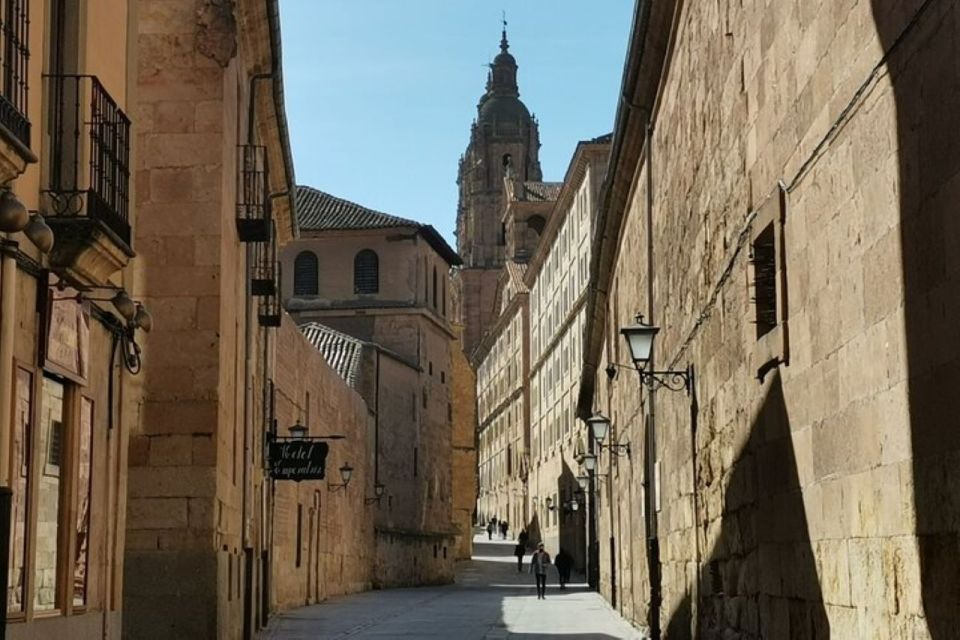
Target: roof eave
[651,41]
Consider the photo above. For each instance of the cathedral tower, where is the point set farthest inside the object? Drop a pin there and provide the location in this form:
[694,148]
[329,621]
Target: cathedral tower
[504,141]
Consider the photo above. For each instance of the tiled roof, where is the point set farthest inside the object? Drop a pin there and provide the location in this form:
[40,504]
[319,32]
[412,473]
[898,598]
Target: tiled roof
[515,271]
[539,191]
[320,211]
[342,352]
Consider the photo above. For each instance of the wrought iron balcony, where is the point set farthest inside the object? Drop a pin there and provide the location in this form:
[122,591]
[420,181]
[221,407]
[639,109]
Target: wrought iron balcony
[14,24]
[253,205]
[88,174]
[263,280]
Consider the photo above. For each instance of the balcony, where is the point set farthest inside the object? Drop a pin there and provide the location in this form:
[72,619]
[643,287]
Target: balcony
[15,150]
[87,175]
[253,206]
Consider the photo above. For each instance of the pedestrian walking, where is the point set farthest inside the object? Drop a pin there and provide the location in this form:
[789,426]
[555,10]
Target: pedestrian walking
[490,530]
[520,550]
[504,528]
[523,538]
[564,563]
[539,562]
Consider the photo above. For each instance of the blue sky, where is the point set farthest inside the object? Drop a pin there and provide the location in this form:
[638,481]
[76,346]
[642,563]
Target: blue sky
[380,94]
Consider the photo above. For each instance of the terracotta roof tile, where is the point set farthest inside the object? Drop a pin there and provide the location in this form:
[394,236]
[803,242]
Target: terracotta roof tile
[320,211]
[538,191]
[342,352]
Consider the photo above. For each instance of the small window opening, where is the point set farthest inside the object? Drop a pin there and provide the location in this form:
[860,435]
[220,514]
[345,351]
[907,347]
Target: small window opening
[763,257]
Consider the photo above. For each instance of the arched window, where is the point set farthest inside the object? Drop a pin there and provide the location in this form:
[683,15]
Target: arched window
[305,274]
[366,272]
[537,223]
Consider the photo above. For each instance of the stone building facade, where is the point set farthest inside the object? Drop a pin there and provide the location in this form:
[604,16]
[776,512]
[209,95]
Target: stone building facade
[69,330]
[503,406]
[385,281]
[463,395]
[557,279]
[780,203]
[504,142]
[322,534]
[529,360]
[214,545]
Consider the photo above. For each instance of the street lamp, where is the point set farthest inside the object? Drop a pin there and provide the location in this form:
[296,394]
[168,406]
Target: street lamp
[377,494]
[298,431]
[584,482]
[550,504]
[599,424]
[589,462]
[346,472]
[640,337]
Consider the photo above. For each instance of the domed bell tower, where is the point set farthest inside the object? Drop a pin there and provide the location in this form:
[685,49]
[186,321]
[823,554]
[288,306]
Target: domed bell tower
[504,141]
[504,138]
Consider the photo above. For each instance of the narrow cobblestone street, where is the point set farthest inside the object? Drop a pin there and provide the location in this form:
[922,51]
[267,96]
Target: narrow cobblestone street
[489,600]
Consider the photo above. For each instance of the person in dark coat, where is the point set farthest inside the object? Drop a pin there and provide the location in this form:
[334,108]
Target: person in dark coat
[504,528]
[523,538]
[539,562]
[564,563]
[520,550]
[490,530]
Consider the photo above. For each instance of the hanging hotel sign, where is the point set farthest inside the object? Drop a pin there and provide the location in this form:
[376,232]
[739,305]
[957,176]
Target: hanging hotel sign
[298,459]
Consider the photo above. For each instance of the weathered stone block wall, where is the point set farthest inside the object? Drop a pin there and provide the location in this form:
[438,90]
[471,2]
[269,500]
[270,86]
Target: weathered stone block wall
[463,442]
[335,528]
[814,503]
[184,237]
[409,559]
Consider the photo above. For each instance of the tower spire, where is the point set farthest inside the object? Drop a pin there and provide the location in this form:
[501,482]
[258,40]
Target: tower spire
[504,45]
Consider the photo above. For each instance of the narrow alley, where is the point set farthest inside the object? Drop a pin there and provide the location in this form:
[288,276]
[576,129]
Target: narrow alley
[490,599]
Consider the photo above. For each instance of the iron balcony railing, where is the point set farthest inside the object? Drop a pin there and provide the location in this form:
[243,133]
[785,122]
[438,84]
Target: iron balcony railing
[15,52]
[89,155]
[253,205]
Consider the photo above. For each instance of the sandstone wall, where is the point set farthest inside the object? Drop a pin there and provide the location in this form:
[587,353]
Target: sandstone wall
[334,529]
[800,505]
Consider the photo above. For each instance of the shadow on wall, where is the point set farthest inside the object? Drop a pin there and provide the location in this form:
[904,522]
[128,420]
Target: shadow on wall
[535,535]
[572,524]
[925,74]
[760,577]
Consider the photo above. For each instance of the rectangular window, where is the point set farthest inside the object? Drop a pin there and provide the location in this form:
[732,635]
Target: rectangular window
[415,462]
[768,281]
[84,491]
[49,499]
[764,261]
[299,533]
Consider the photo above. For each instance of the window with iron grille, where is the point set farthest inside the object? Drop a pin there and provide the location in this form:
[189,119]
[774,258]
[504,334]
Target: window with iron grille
[366,272]
[763,257]
[16,54]
[306,279]
[768,284]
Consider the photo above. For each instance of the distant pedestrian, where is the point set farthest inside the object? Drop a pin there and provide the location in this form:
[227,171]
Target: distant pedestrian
[490,530]
[564,562]
[504,528]
[520,550]
[539,562]
[523,538]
